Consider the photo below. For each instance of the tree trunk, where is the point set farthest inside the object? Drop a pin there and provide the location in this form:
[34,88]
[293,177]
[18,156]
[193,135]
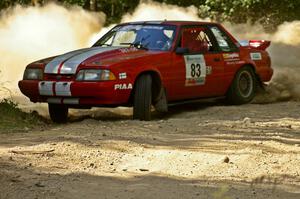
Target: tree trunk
[112,9]
[34,2]
[145,1]
[93,5]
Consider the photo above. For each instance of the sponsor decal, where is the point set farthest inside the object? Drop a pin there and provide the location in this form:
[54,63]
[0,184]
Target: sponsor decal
[123,86]
[256,56]
[195,70]
[208,70]
[130,27]
[231,57]
[235,62]
[128,50]
[153,27]
[122,75]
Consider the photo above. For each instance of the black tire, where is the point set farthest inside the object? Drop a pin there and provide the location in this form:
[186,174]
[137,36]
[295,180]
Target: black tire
[58,113]
[142,98]
[243,88]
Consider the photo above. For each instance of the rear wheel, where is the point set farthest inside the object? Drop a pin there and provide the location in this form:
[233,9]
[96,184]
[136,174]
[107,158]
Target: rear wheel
[58,113]
[143,98]
[243,87]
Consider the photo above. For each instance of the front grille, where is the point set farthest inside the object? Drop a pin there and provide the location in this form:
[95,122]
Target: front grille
[56,77]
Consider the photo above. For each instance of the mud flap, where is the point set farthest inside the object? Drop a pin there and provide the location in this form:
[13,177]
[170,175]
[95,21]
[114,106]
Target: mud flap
[261,85]
[161,104]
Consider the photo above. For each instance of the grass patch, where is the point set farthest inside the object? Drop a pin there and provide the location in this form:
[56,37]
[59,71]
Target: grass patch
[13,119]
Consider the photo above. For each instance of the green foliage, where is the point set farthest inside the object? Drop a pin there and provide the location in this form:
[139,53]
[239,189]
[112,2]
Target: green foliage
[115,9]
[8,3]
[14,119]
[183,3]
[270,13]
[267,12]
[75,2]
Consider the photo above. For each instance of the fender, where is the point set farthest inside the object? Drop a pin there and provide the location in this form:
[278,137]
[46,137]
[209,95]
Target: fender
[157,81]
[246,61]
[147,70]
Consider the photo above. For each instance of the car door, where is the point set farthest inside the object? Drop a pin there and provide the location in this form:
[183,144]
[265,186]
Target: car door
[198,64]
[230,54]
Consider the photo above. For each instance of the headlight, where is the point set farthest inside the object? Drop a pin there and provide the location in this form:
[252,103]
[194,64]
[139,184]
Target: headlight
[95,75]
[33,74]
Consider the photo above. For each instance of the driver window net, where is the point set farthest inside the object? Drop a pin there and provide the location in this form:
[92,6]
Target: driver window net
[196,40]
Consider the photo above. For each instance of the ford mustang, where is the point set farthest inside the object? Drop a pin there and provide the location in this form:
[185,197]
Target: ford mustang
[150,64]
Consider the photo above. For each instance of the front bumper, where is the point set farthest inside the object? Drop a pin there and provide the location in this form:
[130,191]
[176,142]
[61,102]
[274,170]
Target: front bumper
[76,93]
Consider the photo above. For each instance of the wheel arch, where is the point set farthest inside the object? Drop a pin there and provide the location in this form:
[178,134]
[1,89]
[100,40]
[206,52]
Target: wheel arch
[157,84]
[235,98]
[252,66]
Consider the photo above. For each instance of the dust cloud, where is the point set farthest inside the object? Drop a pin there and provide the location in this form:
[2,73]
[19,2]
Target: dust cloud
[31,33]
[285,54]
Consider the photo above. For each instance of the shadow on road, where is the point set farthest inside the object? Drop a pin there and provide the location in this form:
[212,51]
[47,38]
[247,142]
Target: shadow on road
[32,182]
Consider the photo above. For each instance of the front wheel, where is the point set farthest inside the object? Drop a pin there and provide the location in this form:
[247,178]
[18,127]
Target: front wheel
[243,87]
[143,98]
[58,113]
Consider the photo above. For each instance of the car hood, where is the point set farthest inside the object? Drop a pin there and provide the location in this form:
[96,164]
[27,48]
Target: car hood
[68,63]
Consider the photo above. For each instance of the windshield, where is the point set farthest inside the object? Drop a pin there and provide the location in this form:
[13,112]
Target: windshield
[149,37]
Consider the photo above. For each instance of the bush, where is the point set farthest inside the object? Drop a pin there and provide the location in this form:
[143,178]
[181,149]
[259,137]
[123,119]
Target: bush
[14,119]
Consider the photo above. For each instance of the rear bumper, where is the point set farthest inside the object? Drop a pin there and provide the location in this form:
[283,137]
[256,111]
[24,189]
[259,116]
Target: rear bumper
[75,93]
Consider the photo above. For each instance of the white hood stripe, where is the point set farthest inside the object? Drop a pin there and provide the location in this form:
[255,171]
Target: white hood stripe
[52,66]
[69,62]
[71,65]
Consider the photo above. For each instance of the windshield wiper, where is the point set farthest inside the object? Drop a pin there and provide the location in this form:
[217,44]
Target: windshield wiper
[139,44]
[104,45]
[136,45]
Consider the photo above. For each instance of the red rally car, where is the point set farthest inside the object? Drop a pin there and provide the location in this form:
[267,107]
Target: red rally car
[152,63]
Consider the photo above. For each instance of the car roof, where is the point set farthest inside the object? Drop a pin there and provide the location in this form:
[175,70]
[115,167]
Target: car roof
[177,23]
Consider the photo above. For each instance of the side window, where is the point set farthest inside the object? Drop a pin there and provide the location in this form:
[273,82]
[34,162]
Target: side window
[196,40]
[169,33]
[225,43]
[107,41]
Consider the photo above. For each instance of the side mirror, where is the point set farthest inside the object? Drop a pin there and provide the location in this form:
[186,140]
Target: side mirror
[181,50]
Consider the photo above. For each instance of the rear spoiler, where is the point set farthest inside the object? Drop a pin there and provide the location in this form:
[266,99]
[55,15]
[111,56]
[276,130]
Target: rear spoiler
[257,44]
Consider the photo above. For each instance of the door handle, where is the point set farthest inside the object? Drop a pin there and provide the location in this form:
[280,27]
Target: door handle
[217,59]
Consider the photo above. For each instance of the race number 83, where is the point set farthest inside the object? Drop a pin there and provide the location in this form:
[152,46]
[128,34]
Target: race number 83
[195,70]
